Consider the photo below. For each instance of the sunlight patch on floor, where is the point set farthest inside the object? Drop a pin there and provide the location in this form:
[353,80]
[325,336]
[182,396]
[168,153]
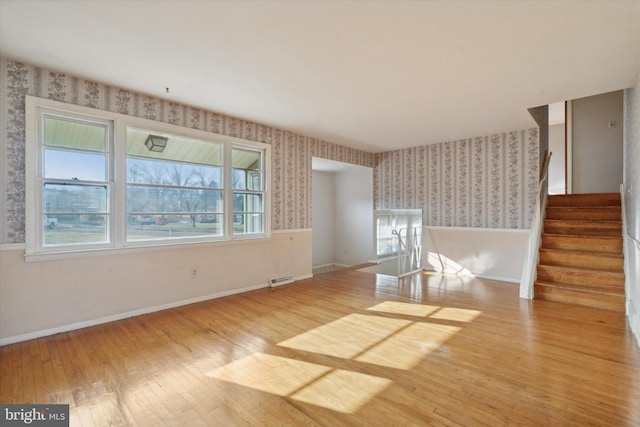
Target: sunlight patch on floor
[384,341]
[273,374]
[456,314]
[335,389]
[373,339]
[394,307]
[406,348]
[342,390]
[348,336]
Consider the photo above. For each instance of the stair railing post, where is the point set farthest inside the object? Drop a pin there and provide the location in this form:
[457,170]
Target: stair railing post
[529,269]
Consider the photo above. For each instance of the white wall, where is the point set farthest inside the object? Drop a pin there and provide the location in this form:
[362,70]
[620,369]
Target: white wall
[342,213]
[45,297]
[631,197]
[557,164]
[354,215]
[323,218]
[484,252]
[597,149]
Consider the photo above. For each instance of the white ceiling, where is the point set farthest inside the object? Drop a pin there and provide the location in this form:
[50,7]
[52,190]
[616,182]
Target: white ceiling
[375,75]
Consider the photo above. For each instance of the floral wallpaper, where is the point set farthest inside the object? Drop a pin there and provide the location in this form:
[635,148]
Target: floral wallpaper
[488,181]
[291,153]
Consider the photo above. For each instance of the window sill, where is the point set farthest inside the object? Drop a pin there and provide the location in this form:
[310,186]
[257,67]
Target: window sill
[139,248]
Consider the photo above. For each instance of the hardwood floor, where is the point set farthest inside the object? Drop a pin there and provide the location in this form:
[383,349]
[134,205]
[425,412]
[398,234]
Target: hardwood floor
[343,348]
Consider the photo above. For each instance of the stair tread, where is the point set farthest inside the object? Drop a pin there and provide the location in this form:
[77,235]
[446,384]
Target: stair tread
[581,236]
[609,222]
[585,253]
[582,208]
[578,270]
[580,258]
[601,290]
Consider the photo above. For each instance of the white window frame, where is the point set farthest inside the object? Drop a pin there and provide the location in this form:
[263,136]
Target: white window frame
[117,228]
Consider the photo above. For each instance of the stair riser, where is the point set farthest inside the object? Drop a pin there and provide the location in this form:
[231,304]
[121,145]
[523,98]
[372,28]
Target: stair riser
[581,253]
[573,277]
[582,230]
[580,260]
[591,244]
[584,214]
[602,199]
[606,302]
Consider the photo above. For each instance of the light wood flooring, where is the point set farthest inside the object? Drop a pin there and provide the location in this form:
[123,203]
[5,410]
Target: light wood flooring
[342,348]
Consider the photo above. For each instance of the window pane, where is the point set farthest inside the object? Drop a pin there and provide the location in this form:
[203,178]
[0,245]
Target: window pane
[246,180]
[245,159]
[246,173]
[146,171]
[160,200]
[75,229]
[248,216]
[171,226]
[75,134]
[238,179]
[75,198]
[248,223]
[247,203]
[81,165]
[177,149]
[254,180]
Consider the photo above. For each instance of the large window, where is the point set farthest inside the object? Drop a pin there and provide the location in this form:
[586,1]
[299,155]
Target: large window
[247,182]
[98,180]
[174,193]
[75,200]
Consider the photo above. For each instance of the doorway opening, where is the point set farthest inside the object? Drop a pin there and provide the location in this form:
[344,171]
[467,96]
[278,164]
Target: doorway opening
[342,215]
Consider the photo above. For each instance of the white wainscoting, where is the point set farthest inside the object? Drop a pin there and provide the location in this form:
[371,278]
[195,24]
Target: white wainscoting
[41,298]
[483,252]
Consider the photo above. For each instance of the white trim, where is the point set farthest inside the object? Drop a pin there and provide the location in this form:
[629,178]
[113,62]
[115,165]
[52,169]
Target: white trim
[498,278]
[12,247]
[569,127]
[472,275]
[483,229]
[331,264]
[294,230]
[88,253]
[35,107]
[133,313]
[53,256]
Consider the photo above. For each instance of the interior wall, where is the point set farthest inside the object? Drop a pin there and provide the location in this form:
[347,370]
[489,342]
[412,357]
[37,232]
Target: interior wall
[44,297]
[541,116]
[53,295]
[597,146]
[324,213]
[487,181]
[631,197]
[354,215]
[490,253]
[557,179]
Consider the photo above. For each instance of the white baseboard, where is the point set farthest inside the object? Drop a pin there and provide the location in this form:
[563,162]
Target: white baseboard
[481,276]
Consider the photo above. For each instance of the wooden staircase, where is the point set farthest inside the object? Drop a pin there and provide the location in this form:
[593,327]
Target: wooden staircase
[581,259]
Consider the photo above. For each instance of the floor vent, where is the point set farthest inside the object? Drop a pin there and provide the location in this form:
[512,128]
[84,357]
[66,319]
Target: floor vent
[279,281]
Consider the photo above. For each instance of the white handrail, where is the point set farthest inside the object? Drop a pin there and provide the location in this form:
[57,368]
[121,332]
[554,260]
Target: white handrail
[535,235]
[410,250]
